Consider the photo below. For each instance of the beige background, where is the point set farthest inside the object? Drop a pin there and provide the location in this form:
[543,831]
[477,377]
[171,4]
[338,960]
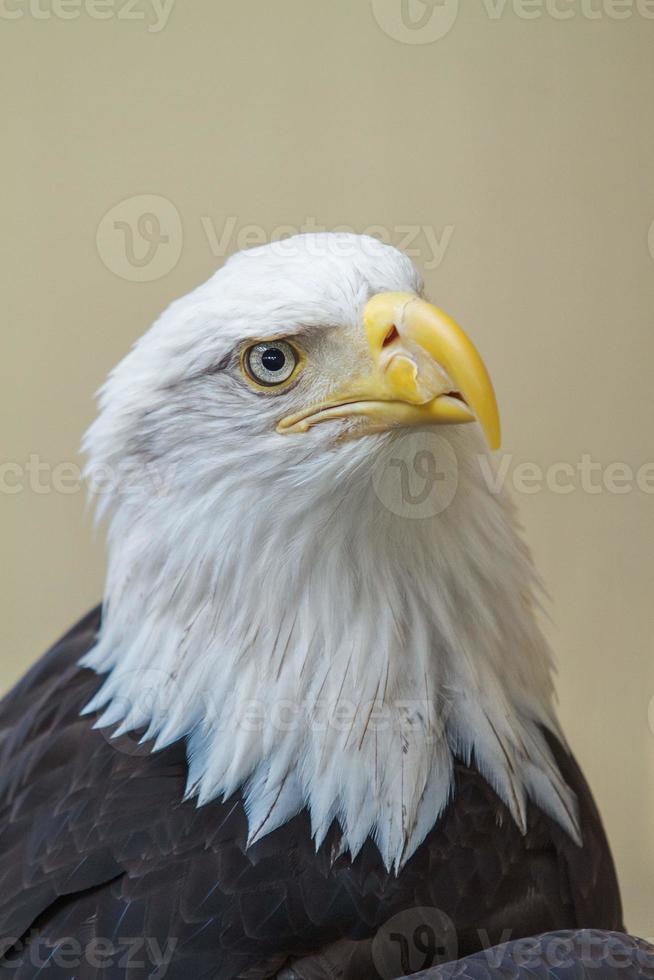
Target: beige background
[524,144]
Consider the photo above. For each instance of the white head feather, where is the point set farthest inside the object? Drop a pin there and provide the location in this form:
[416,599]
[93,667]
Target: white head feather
[313,646]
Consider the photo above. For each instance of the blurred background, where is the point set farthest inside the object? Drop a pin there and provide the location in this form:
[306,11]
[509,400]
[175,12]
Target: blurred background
[507,145]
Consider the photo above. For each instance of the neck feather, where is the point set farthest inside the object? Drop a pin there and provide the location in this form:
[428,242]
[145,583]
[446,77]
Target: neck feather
[331,649]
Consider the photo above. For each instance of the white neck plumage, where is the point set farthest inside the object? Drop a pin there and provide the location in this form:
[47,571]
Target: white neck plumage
[318,645]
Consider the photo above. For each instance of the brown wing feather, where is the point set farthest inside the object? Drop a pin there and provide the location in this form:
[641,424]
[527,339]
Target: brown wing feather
[97,847]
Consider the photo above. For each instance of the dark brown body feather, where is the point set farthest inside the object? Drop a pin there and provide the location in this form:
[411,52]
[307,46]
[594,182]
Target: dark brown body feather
[106,872]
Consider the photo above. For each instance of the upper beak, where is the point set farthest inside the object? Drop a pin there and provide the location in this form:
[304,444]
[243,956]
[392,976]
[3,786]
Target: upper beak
[425,370]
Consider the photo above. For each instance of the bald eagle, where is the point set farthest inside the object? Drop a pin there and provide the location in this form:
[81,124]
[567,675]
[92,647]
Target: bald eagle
[311,727]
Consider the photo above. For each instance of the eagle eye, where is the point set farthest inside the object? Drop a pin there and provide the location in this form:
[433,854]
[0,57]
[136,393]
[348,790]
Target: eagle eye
[271,363]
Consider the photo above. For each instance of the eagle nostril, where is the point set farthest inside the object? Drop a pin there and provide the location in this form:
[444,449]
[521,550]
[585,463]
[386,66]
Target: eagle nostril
[390,336]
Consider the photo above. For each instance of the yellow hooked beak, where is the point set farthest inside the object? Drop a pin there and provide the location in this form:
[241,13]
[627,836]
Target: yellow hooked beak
[425,370]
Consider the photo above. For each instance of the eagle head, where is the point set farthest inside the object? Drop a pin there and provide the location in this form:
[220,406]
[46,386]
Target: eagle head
[315,643]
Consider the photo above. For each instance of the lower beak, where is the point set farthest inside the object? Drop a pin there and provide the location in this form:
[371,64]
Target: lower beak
[425,371]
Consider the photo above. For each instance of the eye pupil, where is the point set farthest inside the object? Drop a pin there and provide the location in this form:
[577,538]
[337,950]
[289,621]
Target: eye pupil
[273,359]
[271,363]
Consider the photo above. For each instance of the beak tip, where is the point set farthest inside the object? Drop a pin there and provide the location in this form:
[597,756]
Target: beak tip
[493,434]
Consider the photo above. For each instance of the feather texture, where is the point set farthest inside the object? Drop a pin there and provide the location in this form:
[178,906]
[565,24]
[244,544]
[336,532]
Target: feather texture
[108,874]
